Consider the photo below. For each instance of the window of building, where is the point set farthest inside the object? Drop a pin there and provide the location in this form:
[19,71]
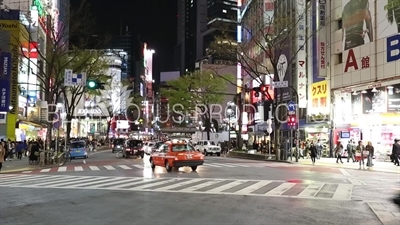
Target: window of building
[224,11]
[340,24]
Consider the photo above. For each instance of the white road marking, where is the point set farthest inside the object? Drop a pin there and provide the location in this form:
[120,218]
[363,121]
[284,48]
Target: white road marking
[109,167]
[78,168]
[343,191]
[226,186]
[311,190]
[45,170]
[138,166]
[254,187]
[125,167]
[386,217]
[94,168]
[344,172]
[280,189]
[62,169]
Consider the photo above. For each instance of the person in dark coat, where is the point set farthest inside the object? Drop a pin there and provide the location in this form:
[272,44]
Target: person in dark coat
[396,151]
[34,152]
[313,152]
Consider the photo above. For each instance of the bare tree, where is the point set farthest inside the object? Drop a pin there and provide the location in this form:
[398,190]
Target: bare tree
[95,68]
[269,29]
[117,98]
[65,49]
[199,91]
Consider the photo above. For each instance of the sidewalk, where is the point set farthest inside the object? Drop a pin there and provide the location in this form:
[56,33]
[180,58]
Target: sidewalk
[16,165]
[379,166]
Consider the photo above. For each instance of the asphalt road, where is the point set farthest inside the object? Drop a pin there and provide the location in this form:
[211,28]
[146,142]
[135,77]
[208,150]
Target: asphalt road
[109,190]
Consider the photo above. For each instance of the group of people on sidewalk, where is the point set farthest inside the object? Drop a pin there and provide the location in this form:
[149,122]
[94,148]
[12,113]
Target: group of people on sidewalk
[10,149]
[364,152]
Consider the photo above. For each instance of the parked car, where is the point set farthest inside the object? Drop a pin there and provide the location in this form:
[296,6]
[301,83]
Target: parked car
[175,155]
[208,147]
[117,145]
[78,149]
[133,148]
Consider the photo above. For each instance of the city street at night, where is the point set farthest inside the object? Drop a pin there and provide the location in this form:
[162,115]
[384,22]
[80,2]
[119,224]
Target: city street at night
[108,189]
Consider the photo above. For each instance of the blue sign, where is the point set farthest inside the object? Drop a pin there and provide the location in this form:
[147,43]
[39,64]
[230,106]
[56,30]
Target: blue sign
[32,98]
[5,74]
[393,46]
[291,106]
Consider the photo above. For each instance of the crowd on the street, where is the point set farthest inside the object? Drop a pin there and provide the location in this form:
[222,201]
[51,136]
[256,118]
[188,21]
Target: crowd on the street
[10,150]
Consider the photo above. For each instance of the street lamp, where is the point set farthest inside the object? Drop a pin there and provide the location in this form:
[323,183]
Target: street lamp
[269,130]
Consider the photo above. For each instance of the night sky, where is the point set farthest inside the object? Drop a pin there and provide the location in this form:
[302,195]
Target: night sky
[154,20]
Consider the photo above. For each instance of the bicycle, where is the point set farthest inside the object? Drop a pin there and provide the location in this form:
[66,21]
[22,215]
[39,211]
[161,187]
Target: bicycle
[63,158]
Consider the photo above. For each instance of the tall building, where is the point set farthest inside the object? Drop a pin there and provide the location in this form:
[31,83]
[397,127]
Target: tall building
[192,22]
[198,22]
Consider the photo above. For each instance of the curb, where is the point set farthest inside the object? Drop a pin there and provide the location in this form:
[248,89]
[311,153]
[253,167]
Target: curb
[26,169]
[256,157]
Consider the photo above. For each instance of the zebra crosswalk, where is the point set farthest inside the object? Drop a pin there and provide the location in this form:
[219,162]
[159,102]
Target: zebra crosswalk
[72,168]
[262,188]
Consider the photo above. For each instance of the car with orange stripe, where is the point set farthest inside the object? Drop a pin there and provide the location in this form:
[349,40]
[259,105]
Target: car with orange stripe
[176,154]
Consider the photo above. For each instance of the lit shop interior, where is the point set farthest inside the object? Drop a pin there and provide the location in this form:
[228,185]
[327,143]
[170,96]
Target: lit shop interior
[371,114]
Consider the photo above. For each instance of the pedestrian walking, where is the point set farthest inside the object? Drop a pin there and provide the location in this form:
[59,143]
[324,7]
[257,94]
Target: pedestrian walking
[339,152]
[396,151]
[370,150]
[351,151]
[313,152]
[2,154]
[360,150]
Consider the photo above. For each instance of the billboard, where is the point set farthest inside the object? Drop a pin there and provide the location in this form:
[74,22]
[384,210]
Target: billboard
[319,99]
[358,23]
[12,37]
[388,16]
[5,84]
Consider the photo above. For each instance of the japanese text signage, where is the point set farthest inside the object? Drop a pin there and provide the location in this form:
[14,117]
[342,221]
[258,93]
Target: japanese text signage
[322,55]
[322,8]
[319,94]
[352,62]
[301,55]
[5,83]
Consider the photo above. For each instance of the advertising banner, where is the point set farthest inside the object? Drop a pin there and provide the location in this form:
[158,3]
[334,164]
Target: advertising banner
[12,29]
[301,55]
[388,16]
[393,98]
[317,74]
[319,107]
[5,85]
[358,22]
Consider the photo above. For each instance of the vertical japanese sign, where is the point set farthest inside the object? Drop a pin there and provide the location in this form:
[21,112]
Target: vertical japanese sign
[322,52]
[5,84]
[322,8]
[301,54]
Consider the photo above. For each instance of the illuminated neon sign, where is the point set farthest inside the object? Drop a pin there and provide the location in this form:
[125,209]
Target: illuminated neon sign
[41,12]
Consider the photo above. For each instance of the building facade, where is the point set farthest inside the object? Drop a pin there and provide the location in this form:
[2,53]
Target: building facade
[363,63]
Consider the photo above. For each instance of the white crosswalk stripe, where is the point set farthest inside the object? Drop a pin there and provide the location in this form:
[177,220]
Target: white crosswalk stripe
[213,165]
[262,188]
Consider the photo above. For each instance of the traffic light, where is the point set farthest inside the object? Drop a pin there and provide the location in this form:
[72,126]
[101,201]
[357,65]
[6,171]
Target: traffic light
[292,121]
[94,84]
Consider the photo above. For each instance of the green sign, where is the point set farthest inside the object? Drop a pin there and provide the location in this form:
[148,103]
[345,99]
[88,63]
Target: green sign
[39,7]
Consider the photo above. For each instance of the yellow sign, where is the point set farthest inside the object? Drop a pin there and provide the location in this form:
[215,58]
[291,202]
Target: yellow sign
[15,33]
[319,94]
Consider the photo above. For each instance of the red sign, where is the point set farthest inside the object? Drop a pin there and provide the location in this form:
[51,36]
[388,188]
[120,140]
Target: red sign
[351,61]
[33,48]
[322,52]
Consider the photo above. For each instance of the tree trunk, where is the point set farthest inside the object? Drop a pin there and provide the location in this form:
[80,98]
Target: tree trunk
[108,129]
[69,128]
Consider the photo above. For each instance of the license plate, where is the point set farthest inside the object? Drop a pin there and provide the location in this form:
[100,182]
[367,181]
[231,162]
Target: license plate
[77,151]
[189,156]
